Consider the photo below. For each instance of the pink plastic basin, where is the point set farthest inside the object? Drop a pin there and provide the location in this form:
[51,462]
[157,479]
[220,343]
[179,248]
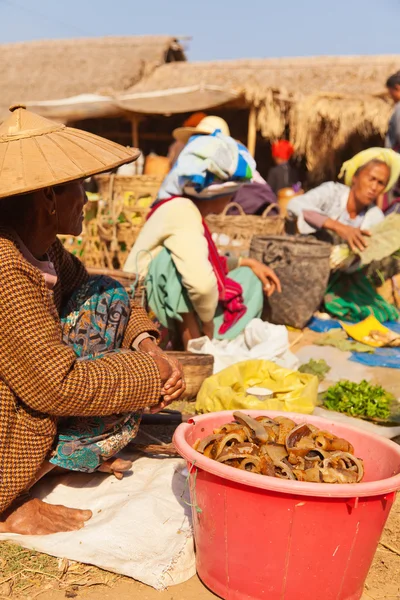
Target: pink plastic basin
[263,537]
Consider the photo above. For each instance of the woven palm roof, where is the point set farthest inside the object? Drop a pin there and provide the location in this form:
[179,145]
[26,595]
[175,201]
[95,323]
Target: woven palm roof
[53,69]
[323,99]
[297,76]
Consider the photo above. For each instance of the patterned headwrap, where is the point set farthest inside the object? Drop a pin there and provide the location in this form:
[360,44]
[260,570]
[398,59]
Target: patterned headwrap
[210,166]
[385,155]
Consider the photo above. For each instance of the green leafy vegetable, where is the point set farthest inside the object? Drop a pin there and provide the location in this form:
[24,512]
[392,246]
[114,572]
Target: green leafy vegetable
[316,367]
[359,399]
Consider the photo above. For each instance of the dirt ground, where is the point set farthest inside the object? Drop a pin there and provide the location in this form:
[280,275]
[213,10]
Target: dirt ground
[383,582]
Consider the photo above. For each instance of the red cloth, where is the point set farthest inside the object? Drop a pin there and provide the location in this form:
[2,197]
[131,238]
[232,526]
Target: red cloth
[282,149]
[194,119]
[230,292]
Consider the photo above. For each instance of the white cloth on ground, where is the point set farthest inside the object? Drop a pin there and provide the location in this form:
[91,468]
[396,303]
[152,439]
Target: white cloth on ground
[259,340]
[140,527]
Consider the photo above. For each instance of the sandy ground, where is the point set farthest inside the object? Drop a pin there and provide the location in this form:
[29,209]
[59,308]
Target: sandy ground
[383,582]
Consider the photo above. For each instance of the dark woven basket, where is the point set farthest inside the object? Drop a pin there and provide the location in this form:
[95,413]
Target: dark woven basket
[302,265]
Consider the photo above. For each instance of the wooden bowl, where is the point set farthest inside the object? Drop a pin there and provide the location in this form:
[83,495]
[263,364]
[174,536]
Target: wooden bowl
[196,368]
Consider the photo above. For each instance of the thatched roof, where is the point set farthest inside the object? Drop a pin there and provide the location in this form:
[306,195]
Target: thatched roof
[299,76]
[54,69]
[176,100]
[338,96]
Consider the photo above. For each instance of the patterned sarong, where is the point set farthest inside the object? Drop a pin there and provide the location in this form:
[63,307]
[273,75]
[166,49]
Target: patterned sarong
[93,323]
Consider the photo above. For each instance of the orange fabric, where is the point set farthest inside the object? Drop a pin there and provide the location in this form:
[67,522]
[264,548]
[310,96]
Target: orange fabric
[282,149]
[194,119]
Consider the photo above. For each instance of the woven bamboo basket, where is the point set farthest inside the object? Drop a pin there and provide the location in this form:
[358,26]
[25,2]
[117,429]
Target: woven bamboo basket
[234,232]
[139,186]
[196,368]
[121,214]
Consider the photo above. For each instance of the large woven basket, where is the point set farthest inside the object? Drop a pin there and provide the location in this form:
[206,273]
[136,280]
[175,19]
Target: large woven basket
[122,210]
[233,233]
[138,186]
[196,368]
[302,265]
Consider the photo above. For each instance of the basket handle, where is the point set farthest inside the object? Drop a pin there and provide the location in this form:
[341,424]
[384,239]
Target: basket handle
[233,205]
[275,257]
[111,187]
[270,208]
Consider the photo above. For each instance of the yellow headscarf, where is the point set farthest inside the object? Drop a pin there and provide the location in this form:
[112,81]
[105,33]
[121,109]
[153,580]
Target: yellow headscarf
[386,155]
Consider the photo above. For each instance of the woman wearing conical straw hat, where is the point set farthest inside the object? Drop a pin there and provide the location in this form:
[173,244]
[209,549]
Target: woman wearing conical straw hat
[78,362]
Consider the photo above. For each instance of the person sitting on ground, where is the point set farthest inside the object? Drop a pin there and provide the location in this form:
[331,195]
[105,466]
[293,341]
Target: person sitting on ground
[79,362]
[178,145]
[283,175]
[335,211]
[349,210]
[188,288]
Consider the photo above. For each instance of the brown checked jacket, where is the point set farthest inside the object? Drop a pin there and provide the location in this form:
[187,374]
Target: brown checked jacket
[40,377]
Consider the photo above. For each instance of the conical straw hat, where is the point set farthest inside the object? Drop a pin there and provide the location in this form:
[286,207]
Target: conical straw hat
[36,152]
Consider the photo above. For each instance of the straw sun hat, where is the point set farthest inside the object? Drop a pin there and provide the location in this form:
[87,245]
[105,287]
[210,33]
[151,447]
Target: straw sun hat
[205,127]
[36,152]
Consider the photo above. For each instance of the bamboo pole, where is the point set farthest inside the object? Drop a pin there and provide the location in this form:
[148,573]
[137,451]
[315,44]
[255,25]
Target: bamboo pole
[252,131]
[135,132]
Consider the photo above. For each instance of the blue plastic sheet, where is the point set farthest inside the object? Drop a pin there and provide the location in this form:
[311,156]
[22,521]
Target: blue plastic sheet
[382,357]
[323,325]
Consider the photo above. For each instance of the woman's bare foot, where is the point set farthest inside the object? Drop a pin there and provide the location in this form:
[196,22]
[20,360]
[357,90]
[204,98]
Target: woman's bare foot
[116,466]
[35,517]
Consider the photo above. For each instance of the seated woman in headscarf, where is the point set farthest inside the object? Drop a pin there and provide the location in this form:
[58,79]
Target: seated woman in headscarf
[347,212]
[79,362]
[187,282]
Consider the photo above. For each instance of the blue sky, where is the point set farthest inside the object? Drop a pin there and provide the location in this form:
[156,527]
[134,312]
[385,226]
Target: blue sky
[255,29]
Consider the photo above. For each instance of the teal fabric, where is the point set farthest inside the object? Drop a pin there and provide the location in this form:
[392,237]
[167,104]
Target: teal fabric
[168,299]
[253,297]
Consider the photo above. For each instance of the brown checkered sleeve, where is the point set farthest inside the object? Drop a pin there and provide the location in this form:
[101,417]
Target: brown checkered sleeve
[138,323]
[45,374]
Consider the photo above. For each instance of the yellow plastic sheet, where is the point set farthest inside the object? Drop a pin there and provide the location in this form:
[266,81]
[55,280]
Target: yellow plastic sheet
[371,332]
[293,391]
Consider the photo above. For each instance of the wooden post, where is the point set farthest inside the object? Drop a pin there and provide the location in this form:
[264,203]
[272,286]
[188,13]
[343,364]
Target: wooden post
[135,132]
[252,131]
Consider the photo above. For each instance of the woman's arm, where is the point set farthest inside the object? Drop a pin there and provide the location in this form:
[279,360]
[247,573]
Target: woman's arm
[46,374]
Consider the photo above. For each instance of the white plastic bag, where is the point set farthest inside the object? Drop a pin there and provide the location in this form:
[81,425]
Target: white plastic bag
[260,340]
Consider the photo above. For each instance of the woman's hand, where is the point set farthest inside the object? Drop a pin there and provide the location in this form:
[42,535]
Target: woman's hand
[171,374]
[356,238]
[266,275]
